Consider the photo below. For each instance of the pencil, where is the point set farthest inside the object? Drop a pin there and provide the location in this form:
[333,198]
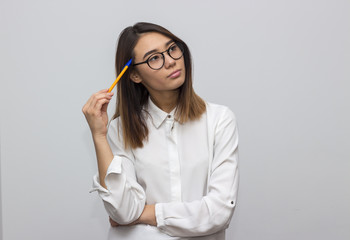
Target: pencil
[120,74]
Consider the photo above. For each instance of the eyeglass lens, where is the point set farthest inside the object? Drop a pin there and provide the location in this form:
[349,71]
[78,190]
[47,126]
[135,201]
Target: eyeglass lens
[156,61]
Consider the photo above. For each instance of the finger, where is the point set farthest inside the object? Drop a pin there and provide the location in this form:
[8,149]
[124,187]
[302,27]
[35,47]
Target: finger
[103,91]
[113,223]
[104,107]
[100,104]
[97,110]
[99,95]
[95,99]
[91,99]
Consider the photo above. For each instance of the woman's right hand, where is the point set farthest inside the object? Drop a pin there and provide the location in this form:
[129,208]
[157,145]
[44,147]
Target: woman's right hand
[95,111]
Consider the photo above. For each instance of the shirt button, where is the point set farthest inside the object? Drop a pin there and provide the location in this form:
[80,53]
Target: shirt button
[169,116]
[231,202]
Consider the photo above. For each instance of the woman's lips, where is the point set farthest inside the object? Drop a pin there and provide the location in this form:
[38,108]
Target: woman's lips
[175,74]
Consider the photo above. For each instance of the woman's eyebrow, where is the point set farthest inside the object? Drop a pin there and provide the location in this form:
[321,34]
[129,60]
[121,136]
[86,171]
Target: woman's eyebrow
[155,50]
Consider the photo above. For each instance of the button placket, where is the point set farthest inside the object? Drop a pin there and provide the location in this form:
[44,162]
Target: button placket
[174,161]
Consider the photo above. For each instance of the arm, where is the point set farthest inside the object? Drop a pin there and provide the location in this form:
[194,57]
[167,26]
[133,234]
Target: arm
[95,111]
[104,157]
[213,212]
[123,197]
[148,217]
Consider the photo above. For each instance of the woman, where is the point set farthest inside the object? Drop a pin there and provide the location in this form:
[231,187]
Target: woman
[167,162]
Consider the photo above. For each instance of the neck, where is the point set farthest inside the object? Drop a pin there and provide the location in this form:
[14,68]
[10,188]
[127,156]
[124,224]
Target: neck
[166,101]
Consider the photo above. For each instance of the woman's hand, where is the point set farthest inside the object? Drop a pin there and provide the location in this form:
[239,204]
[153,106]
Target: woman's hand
[115,224]
[95,111]
[148,216]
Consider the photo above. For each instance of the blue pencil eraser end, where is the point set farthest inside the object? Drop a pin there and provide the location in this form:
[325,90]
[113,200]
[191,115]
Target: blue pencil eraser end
[128,64]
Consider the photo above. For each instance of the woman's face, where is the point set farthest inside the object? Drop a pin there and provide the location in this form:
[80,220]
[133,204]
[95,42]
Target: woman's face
[170,77]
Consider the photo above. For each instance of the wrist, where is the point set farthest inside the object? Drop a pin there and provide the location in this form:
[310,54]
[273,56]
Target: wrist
[148,216]
[99,137]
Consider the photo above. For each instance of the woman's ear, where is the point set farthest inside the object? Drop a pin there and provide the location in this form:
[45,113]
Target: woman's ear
[135,77]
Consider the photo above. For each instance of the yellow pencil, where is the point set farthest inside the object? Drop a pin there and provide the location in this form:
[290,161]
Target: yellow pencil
[120,75]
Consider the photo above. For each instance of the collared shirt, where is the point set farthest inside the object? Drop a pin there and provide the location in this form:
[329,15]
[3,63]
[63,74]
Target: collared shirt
[189,171]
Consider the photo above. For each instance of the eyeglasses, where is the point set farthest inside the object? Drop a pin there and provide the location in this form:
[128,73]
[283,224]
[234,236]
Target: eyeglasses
[156,60]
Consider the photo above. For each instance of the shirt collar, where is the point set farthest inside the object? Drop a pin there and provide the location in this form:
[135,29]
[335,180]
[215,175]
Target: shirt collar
[158,115]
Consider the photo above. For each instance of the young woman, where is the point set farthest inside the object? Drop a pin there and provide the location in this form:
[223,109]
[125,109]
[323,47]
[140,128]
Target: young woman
[167,162]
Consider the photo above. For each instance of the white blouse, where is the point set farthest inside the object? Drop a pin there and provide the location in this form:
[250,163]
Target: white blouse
[189,171]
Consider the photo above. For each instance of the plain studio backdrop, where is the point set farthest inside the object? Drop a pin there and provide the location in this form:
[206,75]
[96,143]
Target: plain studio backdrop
[281,66]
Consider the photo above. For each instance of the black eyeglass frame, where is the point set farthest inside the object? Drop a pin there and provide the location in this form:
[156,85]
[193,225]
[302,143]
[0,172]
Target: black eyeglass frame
[162,53]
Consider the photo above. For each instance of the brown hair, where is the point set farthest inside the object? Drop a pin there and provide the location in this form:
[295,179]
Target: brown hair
[133,96]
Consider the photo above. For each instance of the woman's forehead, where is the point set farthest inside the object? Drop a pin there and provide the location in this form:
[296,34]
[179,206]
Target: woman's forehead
[151,41]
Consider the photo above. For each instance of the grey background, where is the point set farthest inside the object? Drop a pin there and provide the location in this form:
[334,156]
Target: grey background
[281,66]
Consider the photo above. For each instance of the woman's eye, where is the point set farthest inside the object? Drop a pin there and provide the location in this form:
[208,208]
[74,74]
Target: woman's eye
[173,48]
[154,58]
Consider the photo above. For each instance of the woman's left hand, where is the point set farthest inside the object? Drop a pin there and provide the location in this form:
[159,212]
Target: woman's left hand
[148,216]
[113,223]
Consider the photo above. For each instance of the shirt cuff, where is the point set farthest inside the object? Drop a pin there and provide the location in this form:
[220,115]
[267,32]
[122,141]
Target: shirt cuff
[96,186]
[114,167]
[159,215]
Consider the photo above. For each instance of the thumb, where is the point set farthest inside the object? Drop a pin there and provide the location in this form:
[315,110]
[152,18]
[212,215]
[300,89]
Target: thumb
[104,107]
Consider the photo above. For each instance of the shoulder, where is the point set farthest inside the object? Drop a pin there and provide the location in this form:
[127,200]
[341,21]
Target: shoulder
[115,123]
[219,113]
[115,129]
[222,124]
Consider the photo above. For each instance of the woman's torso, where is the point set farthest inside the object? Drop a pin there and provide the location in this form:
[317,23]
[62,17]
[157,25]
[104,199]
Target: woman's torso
[171,166]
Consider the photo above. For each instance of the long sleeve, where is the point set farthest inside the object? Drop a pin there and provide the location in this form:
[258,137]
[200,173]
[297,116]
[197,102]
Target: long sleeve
[213,212]
[124,199]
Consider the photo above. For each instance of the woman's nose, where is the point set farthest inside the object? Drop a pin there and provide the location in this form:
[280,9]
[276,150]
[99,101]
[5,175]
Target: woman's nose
[168,61]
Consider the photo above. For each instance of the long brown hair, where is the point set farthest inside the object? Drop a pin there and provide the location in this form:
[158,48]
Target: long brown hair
[131,96]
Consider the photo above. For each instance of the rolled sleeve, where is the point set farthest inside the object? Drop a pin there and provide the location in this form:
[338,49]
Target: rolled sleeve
[114,167]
